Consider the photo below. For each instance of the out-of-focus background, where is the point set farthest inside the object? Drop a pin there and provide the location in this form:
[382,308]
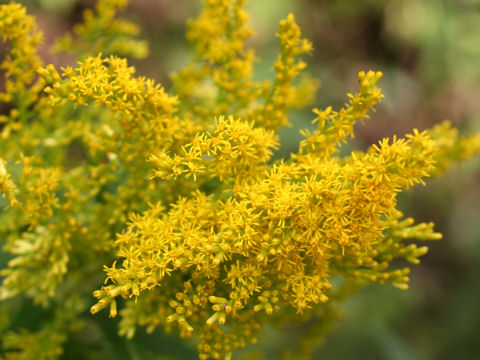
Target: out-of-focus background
[429,52]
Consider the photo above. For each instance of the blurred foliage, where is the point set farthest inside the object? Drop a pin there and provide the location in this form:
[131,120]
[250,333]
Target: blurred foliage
[429,52]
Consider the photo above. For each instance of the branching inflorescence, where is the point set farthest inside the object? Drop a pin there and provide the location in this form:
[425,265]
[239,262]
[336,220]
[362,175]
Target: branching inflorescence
[177,194]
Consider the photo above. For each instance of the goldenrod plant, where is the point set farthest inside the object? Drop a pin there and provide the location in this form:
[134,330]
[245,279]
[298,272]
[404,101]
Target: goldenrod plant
[172,200]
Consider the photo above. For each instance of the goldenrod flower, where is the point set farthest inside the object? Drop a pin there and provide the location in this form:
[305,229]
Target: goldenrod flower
[177,195]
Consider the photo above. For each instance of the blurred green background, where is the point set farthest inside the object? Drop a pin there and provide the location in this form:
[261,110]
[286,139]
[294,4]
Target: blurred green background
[429,51]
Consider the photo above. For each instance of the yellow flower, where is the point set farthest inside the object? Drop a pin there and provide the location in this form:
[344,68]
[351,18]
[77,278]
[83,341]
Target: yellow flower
[178,194]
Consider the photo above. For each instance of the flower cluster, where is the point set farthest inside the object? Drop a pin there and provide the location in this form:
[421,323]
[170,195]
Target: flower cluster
[177,196]
[234,150]
[117,36]
[20,64]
